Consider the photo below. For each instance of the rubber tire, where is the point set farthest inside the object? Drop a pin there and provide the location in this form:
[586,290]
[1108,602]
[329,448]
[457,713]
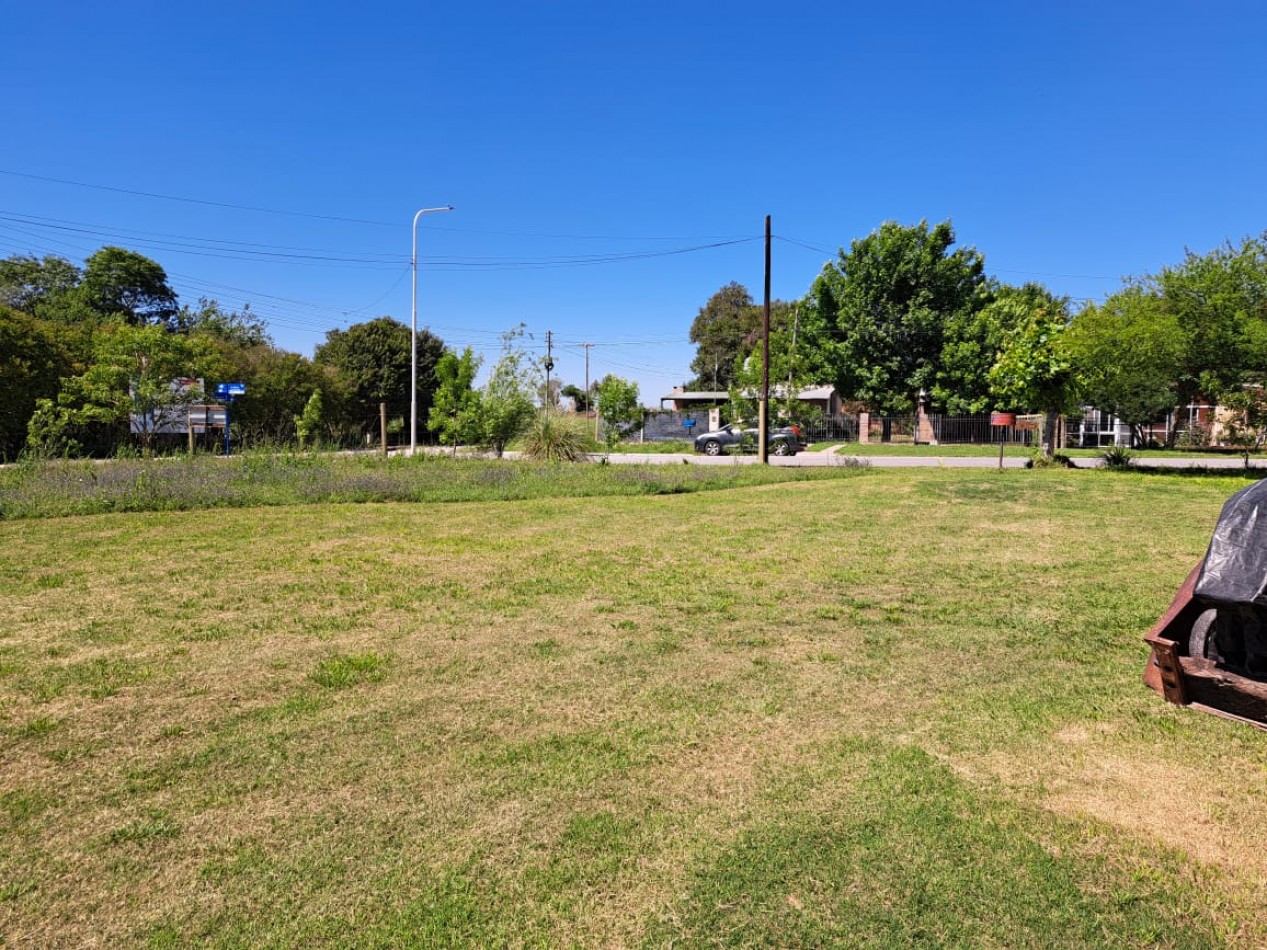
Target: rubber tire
[782,448]
[712,447]
[1201,640]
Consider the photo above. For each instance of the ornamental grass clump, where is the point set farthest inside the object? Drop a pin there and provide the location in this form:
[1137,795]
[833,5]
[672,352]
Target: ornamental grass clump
[551,438]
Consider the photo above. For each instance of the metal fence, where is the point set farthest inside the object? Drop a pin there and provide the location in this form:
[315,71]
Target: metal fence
[976,430]
[831,428]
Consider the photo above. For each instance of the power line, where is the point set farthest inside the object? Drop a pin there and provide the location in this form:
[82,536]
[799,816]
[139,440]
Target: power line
[196,201]
[224,250]
[327,217]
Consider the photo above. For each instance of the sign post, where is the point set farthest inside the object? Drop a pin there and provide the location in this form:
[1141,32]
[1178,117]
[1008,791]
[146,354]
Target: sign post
[1002,420]
[228,392]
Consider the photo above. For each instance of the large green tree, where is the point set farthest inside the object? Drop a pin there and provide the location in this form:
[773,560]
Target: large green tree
[32,362]
[724,330]
[1219,300]
[38,286]
[118,283]
[973,340]
[888,301]
[374,359]
[133,383]
[1127,353]
[1034,370]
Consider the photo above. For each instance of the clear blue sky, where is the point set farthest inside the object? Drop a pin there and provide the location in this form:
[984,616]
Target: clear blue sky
[1071,142]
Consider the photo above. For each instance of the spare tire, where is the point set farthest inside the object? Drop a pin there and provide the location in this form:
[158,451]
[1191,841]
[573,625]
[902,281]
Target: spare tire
[1201,640]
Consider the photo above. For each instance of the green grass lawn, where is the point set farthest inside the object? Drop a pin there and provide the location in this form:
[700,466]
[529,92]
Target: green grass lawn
[884,709]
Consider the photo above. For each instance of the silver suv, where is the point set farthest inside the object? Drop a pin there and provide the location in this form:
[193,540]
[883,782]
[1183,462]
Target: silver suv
[782,441]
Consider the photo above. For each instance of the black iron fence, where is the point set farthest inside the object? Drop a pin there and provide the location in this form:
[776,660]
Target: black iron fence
[977,430]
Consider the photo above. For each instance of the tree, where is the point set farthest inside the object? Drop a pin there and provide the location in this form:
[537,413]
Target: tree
[308,422]
[973,339]
[455,407]
[1127,354]
[582,401]
[1034,370]
[237,327]
[800,356]
[888,302]
[506,403]
[32,361]
[135,378]
[1220,301]
[123,284]
[618,407]
[374,359]
[720,332]
[36,285]
[278,385]
[1247,426]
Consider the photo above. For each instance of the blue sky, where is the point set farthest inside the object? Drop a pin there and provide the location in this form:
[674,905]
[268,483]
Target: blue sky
[1072,143]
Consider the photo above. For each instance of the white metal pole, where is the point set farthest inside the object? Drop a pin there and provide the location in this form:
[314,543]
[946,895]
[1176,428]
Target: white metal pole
[413,336]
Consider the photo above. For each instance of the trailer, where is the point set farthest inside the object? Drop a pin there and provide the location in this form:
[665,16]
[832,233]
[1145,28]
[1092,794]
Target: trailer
[1209,649]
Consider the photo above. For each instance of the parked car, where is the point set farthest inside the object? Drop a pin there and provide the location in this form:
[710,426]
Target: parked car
[782,441]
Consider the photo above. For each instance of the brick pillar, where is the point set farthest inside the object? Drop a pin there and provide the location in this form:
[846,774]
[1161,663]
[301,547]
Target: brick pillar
[924,426]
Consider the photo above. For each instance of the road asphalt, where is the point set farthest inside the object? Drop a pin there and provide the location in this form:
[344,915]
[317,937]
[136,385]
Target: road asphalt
[839,456]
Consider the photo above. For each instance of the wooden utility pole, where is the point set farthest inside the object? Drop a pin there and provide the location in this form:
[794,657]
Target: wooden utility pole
[763,425]
[589,397]
[382,424]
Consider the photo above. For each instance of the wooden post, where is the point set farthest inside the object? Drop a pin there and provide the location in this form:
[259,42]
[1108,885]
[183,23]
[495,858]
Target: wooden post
[382,424]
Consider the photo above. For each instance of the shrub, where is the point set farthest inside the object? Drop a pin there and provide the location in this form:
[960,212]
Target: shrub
[550,437]
[1117,457]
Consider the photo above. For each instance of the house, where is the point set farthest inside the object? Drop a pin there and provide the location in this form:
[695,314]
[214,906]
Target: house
[824,398]
[1199,423]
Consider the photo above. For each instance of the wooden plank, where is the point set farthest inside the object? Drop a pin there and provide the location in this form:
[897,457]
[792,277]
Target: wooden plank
[1238,696]
[1166,660]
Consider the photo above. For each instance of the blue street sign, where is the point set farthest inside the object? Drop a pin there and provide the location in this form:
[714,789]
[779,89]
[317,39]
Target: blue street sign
[689,423]
[229,390]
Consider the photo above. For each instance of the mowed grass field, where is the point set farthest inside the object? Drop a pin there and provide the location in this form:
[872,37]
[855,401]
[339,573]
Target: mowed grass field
[885,709]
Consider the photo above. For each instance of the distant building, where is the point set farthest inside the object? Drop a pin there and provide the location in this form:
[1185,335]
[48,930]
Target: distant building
[823,397]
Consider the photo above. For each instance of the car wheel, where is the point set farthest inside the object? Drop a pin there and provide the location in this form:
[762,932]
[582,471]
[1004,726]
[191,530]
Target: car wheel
[712,447]
[782,448]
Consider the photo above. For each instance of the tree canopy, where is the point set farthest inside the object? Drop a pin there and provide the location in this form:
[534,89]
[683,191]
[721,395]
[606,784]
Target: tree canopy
[119,282]
[888,302]
[374,358]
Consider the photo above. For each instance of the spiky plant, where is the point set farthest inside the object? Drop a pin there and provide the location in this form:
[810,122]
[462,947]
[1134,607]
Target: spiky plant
[551,437]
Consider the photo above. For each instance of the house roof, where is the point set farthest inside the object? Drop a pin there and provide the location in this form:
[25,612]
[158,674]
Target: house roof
[696,396]
[809,392]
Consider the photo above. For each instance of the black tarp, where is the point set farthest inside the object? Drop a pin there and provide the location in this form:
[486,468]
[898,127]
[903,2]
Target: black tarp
[1235,568]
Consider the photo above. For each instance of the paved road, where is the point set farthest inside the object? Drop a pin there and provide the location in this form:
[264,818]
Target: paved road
[814,459]
[829,458]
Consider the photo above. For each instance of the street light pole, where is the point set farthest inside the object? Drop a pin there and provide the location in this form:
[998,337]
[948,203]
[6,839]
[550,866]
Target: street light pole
[413,336]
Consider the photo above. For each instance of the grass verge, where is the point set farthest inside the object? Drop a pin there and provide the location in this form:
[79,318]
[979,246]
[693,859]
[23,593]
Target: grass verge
[53,489]
[897,709]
